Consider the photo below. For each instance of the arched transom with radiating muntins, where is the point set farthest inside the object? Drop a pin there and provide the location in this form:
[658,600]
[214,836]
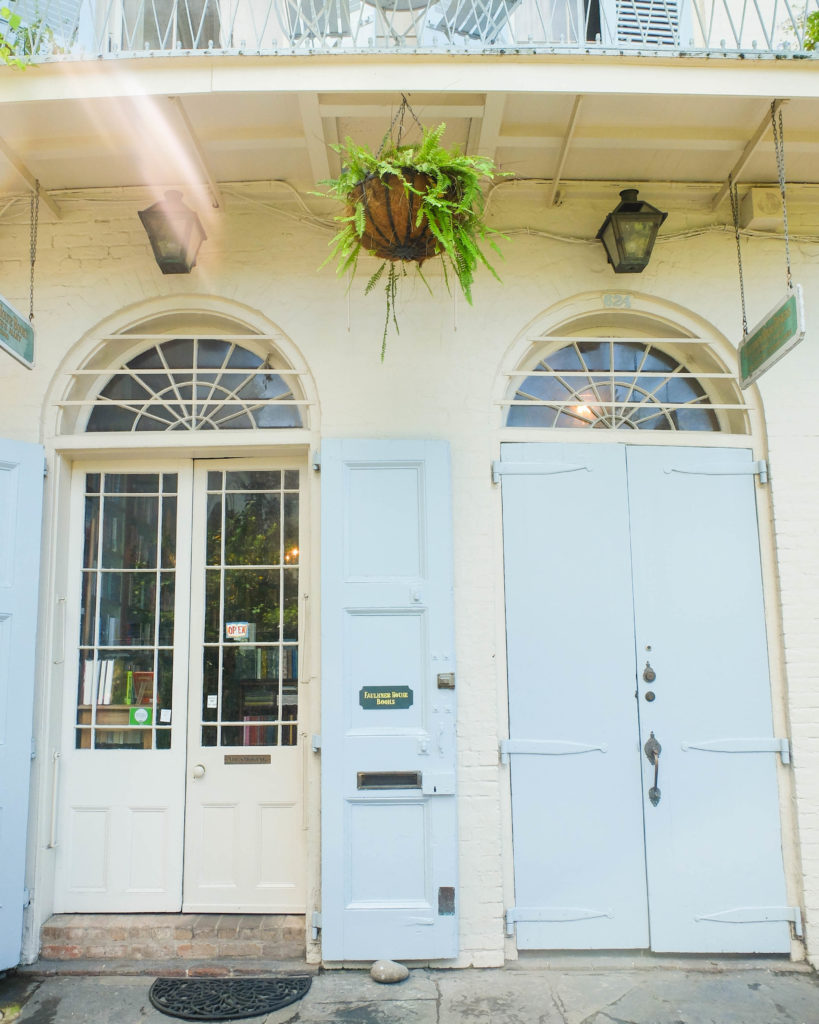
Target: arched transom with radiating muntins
[185,373]
[637,383]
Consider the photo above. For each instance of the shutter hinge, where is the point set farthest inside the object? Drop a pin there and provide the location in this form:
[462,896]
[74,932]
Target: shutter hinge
[315,743]
[317,461]
[753,915]
[761,470]
[28,895]
[33,748]
[45,467]
[316,923]
[501,468]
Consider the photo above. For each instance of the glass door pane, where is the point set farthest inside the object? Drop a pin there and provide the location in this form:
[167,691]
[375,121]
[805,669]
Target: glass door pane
[125,683]
[250,656]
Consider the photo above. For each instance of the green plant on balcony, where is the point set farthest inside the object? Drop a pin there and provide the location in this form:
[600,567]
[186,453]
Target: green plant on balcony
[9,42]
[406,204]
[812,31]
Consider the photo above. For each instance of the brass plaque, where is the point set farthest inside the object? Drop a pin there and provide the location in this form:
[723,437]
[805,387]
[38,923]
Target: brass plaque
[247,758]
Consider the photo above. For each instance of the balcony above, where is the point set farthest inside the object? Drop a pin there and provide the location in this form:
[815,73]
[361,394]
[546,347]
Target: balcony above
[740,29]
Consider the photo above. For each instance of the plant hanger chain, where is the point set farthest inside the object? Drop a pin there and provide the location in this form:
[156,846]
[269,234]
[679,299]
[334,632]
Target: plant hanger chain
[779,148]
[34,217]
[399,120]
[732,192]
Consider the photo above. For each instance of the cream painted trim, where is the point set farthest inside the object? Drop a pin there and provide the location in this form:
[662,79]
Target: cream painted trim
[563,74]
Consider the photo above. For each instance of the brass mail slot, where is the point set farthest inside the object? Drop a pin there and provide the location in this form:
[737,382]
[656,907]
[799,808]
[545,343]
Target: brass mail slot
[247,758]
[389,780]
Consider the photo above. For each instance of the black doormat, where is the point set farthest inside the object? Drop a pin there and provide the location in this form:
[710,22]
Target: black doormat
[225,998]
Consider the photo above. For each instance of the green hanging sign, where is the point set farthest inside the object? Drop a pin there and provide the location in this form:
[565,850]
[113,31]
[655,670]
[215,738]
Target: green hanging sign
[774,336]
[16,334]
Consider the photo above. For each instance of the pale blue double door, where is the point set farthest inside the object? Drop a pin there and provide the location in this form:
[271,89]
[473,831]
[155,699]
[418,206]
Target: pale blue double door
[635,612]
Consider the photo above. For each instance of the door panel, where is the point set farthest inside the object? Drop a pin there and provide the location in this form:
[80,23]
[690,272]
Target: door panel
[244,839]
[713,841]
[21,500]
[674,530]
[577,814]
[123,753]
[389,837]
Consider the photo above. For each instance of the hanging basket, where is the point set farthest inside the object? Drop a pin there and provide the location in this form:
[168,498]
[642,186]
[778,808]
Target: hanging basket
[391,228]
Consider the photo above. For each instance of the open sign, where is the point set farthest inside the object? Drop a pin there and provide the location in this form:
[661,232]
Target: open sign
[237,630]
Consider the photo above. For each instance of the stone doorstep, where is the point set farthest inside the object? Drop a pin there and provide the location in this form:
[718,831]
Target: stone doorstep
[145,937]
[167,968]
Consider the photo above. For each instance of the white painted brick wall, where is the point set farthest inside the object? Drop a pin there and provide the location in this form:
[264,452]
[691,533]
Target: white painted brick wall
[438,382]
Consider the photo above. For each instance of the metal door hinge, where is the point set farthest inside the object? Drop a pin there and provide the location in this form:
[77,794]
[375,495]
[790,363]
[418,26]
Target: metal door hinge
[501,468]
[315,921]
[753,915]
[758,468]
[33,748]
[315,744]
[551,915]
[774,745]
[317,461]
[552,747]
[28,896]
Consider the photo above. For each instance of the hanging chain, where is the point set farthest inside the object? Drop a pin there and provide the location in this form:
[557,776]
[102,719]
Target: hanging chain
[34,212]
[399,120]
[732,192]
[779,148]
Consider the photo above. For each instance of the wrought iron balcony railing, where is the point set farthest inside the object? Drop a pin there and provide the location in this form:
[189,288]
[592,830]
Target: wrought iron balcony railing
[77,29]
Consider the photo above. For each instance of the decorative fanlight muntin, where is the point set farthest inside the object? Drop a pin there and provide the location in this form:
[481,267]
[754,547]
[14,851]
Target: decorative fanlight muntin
[629,232]
[175,233]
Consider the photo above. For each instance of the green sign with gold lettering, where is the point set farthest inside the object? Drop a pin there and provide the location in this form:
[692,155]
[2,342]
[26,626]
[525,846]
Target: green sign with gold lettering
[16,334]
[385,697]
[772,337]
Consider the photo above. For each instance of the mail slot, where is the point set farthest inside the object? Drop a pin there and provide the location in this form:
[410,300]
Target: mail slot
[389,780]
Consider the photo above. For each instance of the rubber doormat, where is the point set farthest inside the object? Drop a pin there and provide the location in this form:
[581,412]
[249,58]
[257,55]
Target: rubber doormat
[225,998]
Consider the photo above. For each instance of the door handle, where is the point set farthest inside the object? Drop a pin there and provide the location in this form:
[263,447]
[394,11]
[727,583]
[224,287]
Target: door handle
[653,750]
[199,770]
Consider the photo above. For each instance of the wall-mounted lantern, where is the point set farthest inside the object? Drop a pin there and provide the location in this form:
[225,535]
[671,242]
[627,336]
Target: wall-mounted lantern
[629,232]
[175,233]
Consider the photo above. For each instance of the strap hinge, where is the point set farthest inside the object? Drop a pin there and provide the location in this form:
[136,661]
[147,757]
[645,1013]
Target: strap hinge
[315,921]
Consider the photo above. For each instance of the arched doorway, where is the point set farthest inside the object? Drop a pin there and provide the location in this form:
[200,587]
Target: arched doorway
[182,754]
[643,761]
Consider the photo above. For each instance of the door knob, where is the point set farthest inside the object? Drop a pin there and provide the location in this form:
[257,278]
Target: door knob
[199,770]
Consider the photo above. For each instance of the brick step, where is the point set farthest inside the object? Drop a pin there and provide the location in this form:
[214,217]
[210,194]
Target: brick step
[176,936]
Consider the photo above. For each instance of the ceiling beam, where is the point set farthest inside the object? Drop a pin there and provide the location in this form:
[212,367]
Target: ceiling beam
[491,119]
[32,183]
[564,150]
[747,153]
[216,196]
[314,137]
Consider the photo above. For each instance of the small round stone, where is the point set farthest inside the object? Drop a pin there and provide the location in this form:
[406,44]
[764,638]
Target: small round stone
[387,972]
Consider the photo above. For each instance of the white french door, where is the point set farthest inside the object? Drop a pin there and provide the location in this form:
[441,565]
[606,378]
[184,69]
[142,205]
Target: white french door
[643,766]
[181,740]
[244,835]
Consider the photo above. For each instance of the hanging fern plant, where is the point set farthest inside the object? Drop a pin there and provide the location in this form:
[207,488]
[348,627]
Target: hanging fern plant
[408,203]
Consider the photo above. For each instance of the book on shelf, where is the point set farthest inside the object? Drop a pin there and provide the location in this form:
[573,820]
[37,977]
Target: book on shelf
[143,683]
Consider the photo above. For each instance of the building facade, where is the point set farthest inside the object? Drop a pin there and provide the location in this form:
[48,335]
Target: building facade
[505,642]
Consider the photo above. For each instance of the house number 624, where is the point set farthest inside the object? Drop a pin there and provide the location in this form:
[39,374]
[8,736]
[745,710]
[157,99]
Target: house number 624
[615,301]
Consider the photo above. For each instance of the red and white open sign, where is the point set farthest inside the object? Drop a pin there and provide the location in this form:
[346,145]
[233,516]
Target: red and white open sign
[237,630]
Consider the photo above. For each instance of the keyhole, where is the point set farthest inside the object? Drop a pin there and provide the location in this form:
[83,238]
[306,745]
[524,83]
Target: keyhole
[649,675]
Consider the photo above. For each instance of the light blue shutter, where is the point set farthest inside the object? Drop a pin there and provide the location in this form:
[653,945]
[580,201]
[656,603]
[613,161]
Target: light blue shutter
[21,497]
[575,762]
[389,855]
[716,881]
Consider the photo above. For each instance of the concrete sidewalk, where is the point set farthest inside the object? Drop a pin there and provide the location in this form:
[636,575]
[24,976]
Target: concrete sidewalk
[568,990]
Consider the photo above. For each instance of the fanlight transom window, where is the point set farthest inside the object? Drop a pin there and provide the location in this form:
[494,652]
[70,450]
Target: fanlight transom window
[195,384]
[613,384]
